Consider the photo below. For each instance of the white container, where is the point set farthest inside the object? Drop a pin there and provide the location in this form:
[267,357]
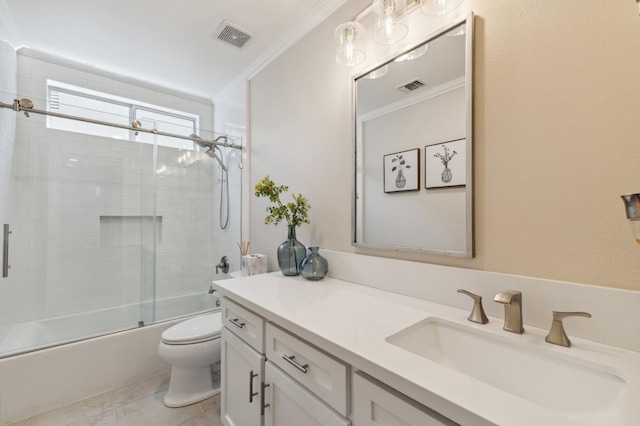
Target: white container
[254,264]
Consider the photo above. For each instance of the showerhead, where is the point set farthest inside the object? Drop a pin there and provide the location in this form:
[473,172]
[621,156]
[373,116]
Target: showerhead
[210,149]
[198,140]
[211,152]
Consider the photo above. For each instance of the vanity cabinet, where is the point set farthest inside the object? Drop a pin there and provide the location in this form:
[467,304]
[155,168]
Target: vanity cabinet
[376,404]
[242,376]
[242,365]
[290,382]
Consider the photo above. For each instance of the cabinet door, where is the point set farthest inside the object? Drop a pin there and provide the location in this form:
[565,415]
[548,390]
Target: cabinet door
[242,372]
[375,404]
[290,404]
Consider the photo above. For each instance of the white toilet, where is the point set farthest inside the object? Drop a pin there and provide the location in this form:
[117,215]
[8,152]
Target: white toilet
[191,347]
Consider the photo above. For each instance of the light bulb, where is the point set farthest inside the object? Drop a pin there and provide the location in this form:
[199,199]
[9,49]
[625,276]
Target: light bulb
[389,21]
[348,51]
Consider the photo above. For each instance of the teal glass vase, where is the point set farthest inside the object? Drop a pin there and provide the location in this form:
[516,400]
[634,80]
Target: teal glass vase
[314,266]
[291,253]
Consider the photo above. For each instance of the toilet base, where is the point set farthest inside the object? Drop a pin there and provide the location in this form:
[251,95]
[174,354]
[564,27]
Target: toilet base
[201,384]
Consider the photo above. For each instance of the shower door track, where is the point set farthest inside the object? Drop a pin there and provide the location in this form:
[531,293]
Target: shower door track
[28,109]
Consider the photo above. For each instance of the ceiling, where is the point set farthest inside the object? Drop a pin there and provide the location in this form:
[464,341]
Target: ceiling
[165,42]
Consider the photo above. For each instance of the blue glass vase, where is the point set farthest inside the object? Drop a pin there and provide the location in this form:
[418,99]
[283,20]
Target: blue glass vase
[291,253]
[314,266]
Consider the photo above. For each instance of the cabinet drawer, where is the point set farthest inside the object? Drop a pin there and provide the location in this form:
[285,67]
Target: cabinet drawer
[376,404]
[288,403]
[323,375]
[243,323]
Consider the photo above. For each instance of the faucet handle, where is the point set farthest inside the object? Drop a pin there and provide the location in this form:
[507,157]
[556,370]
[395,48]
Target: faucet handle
[557,335]
[477,313]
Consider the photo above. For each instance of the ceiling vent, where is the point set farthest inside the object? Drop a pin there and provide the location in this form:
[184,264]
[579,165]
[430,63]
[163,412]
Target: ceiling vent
[233,35]
[411,86]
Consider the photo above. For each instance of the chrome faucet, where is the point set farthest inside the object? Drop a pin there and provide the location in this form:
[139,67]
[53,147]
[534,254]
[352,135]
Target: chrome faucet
[512,301]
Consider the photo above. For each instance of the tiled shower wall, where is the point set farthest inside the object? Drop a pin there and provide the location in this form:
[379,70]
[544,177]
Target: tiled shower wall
[63,183]
[8,83]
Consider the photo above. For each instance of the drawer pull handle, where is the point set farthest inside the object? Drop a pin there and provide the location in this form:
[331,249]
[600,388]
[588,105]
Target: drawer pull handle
[291,360]
[262,404]
[251,392]
[235,322]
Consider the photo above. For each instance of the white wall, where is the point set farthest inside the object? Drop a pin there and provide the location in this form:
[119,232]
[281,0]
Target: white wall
[555,127]
[230,118]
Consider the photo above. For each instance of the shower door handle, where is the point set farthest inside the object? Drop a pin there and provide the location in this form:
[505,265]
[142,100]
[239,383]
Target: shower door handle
[5,251]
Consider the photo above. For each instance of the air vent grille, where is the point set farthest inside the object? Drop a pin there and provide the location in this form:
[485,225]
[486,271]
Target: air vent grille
[411,86]
[233,35]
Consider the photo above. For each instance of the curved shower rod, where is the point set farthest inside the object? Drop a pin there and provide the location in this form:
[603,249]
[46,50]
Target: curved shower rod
[26,105]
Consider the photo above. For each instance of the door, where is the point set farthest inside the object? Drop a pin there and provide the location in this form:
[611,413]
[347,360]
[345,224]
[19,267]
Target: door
[242,373]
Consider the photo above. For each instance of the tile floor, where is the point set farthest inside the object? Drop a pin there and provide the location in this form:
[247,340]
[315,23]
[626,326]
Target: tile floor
[138,404]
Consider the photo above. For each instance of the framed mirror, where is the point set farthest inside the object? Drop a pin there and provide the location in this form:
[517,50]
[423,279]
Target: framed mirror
[413,121]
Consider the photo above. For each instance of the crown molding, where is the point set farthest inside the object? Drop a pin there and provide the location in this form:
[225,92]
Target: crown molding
[320,11]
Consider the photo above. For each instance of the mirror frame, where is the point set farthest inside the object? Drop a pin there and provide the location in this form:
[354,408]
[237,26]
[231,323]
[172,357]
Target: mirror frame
[469,251]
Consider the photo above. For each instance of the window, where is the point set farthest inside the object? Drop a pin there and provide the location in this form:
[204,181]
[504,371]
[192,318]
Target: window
[92,105]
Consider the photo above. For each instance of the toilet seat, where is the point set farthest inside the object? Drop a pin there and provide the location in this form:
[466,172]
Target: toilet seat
[194,330]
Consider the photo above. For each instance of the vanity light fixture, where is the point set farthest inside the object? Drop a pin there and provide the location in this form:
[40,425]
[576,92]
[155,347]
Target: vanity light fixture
[438,7]
[348,37]
[414,54]
[632,208]
[389,21]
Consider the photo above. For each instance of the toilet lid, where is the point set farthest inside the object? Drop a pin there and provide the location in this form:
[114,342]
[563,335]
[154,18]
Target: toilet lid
[194,330]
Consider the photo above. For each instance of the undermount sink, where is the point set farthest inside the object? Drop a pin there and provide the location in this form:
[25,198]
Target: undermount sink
[583,390]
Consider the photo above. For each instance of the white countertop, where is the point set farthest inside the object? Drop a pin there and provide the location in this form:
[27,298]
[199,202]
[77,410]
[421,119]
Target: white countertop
[351,322]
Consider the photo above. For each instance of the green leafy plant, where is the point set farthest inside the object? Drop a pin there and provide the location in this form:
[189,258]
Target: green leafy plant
[294,213]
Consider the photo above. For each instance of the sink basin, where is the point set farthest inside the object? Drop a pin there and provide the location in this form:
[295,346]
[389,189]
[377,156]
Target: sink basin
[585,391]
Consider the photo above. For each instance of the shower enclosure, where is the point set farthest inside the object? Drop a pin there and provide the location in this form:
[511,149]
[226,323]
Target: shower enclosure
[113,226]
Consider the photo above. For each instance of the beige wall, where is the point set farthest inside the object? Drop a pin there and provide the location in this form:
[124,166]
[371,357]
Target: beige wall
[557,137]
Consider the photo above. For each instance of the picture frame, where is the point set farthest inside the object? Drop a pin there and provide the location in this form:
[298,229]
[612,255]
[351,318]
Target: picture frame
[445,164]
[401,171]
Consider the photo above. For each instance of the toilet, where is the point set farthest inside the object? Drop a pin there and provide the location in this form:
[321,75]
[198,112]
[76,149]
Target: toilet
[192,347]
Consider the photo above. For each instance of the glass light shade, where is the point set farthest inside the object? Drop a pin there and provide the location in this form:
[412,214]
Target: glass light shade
[414,54]
[389,21]
[438,7]
[377,73]
[348,38]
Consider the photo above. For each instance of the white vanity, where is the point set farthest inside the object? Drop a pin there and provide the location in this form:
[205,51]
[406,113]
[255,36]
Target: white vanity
[333,352]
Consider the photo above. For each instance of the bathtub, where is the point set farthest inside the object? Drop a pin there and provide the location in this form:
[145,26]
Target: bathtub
[35,335]
[67,368]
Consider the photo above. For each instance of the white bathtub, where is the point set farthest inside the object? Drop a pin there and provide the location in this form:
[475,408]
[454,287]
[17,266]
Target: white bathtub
[35,335]
[40,380]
